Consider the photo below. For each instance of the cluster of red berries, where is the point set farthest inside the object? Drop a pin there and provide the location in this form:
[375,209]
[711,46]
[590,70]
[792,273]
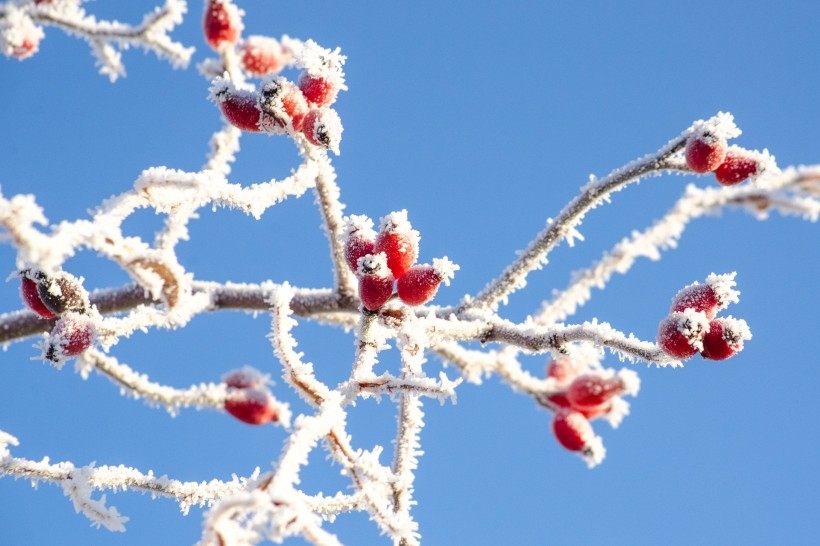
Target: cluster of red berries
[60,295]
[706,152]
[383,259]
[692,327]
[19,35]
[248,398]
[581,398]
[280,106]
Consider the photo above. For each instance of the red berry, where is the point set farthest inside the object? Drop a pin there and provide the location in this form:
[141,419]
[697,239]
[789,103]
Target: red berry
[359,239]
[238,106]
[589,392]
[244,378]
[716,294]
[73,334]
[319,91]
[261,55]
[20,37]
[28,290]
[562,370]
[399,242]
[736,168]
[560,399]
[251,405]
[323,128]
[572,430]
[705,152]
[418,285]
[284,103]
[680,333]
[724,338]
[375,281]
[222,23]
[700,297]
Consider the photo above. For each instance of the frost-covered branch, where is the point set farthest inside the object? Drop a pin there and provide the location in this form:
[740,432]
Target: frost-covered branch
[107,38]
[595,193]
[787,193]
[80,482]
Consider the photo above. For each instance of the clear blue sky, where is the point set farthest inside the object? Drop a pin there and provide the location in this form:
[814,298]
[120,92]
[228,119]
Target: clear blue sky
[482,119]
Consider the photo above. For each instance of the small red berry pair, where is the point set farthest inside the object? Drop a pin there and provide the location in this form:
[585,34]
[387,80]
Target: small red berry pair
[60,295]
[691,326]
[706,152]
[381,258]
[248,398]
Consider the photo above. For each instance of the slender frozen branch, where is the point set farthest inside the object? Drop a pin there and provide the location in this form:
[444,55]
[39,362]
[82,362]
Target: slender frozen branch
[204,395]
[787,192]
[152,34]
[564,226]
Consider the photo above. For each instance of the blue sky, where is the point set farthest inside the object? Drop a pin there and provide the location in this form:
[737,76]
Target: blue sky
[482,120]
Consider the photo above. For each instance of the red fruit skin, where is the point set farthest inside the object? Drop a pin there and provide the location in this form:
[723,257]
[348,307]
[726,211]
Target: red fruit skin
[560,399]
[308,127]
[400,250]
[591,391]
[260,56]
[73,334]
[672,341]
[239,108]
[561,370]
[357,245]
[251,406]
[221,25]
[296,108]
[700,297]
[572,430]
[704,153]
[715,345]
[284,103]
[735,169]
[318,91]
[375,290]
[28,290]
[418,285]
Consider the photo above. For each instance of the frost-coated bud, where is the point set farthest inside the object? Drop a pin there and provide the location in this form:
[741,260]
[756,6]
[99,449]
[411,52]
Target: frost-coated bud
[725,338]
[244,378]
[19,36]
[323,127]
[62,292]
[398,241]
[705,152]
[716,294]
[280,99]
[262,55]
[251,405]
[375,281]
[420,283]
[222,23]
[73,334]
[562,370]
[359,239]
[736,167]
[681,333]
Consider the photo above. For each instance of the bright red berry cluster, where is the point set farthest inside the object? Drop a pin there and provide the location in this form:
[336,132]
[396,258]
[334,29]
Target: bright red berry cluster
[387,257]
[692,327]
[581,397]
[248,398]
[280,106]
[60,295]
[706,152]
